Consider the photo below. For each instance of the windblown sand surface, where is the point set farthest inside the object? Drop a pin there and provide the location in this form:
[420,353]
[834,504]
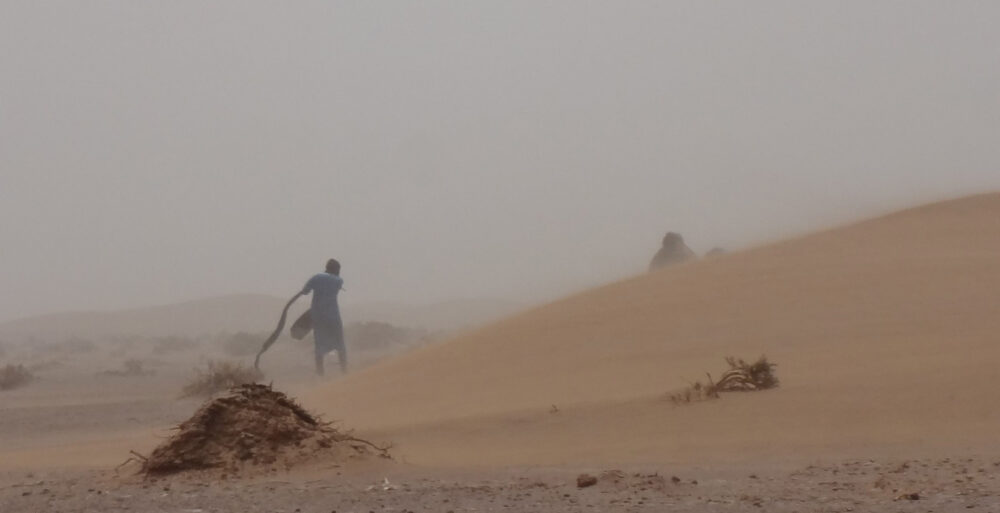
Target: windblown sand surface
[886,334]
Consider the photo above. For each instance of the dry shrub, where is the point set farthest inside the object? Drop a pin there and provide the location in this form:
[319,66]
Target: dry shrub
[219,376]
[747,377]
[696,392]
[740,377]
[252,427]
[13,376]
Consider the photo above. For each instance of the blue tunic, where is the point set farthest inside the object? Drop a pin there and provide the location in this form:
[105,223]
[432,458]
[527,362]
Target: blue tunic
[328,329]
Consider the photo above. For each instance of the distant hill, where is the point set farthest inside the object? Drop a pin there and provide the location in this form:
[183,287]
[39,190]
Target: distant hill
[242,312]
[245,312]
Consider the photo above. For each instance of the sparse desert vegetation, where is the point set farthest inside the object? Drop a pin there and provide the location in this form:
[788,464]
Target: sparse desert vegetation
[219,376]
[14,376]
[740,377]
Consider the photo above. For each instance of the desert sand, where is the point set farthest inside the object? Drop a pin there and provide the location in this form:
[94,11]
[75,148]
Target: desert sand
[884,332]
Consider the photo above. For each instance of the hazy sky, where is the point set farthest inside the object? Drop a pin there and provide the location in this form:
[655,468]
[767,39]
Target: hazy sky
[161,151]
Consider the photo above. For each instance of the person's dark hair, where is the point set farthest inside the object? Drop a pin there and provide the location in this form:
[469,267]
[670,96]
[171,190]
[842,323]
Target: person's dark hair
[672,239]
[333,266]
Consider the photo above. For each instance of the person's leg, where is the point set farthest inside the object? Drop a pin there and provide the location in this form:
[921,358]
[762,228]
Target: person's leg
[341,347]
[324,343]
[342,356]
[319,362]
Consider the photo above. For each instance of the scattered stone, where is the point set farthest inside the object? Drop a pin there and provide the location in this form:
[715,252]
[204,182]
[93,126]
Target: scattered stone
[585,480]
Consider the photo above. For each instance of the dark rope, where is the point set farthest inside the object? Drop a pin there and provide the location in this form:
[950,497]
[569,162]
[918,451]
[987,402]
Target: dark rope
[277,332]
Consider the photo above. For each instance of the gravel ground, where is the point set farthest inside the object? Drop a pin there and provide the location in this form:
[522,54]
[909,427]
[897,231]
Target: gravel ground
[939,485]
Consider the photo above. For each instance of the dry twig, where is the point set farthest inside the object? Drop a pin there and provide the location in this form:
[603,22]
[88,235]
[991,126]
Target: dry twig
[740,377]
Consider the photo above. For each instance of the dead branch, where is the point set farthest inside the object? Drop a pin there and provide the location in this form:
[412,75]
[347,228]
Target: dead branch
[740,377]
[382,449]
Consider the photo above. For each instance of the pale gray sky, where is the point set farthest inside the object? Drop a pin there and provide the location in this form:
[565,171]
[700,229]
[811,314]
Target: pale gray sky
[160,151]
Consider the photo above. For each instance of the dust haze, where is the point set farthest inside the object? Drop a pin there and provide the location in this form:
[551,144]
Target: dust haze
[514,151]
[618,256]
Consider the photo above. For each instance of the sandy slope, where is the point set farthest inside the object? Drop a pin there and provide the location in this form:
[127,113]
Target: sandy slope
[886,334]
[447,316]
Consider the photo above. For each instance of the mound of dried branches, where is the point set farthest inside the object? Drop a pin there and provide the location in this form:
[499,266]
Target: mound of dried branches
[13,376]
[740,377]
[219,376]
[252,427]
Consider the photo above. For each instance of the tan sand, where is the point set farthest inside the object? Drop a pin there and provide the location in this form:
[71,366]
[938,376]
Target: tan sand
[886,334]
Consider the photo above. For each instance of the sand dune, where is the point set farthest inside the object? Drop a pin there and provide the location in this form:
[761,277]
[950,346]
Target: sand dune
[885,332]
